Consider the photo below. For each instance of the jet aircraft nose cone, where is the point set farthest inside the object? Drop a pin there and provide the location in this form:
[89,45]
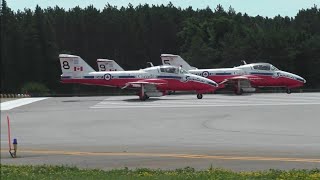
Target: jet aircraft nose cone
[301,79]
[212,83]
[204,80]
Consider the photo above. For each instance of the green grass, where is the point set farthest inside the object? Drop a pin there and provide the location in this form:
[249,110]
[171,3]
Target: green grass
[64,172]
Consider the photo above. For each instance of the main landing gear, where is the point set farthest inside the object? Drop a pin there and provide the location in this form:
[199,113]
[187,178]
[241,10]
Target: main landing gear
[142,94]
[199,96]
[144,97]
[238,91]
[288,91]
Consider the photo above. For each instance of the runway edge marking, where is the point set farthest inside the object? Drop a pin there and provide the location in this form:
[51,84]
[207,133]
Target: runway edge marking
[8,105]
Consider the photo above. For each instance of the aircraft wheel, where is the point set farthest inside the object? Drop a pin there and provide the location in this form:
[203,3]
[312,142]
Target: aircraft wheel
[171,92]
[143,98]
[238,92]
[288,91]
[199,96]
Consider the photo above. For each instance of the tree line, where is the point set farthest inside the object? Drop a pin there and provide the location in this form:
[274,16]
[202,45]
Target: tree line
[31,40]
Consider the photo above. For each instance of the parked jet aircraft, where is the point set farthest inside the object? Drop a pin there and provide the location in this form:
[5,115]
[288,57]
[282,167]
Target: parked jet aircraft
[244,78]
[150,82]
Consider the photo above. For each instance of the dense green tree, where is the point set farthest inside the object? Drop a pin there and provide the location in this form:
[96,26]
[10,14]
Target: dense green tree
[31,40]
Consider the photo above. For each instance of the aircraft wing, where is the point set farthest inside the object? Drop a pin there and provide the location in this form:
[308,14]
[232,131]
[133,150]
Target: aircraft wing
[149,84]
[249,78]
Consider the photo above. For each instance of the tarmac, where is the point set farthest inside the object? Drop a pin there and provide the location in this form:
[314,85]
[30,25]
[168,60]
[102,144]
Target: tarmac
[242,133]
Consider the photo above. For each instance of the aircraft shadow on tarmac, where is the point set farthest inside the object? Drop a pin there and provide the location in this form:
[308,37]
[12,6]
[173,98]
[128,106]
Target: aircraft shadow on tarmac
[232,94]
[207,96]
[214,94]
[150,100]
[85,100]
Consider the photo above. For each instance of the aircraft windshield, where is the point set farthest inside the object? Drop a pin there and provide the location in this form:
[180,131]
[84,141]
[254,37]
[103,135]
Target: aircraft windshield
[274,68]
[173,70]
[265,67]
[183,71]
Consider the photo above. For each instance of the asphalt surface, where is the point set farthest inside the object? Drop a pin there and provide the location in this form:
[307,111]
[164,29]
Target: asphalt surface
[249,132]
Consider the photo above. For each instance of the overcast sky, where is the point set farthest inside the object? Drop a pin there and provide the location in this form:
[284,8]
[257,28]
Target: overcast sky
[268,8]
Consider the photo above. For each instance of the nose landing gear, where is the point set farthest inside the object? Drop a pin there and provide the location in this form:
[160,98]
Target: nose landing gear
[142,94]
[288,91]
[238,91]
[199,96]
[143,98]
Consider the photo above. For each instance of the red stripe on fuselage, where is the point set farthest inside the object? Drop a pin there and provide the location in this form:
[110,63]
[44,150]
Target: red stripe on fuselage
[172,84]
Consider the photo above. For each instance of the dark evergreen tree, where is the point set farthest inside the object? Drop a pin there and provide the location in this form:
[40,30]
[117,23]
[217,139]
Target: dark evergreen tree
[31,40]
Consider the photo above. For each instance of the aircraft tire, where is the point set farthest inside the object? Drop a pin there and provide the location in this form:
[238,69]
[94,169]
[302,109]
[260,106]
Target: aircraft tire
[199,96]
[143,98]
[288,91]
[238,92]
[171,92]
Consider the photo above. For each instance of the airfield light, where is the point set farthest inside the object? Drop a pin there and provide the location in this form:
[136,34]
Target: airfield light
[15,147]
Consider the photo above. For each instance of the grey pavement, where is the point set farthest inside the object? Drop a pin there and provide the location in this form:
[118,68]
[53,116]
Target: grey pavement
[250,132]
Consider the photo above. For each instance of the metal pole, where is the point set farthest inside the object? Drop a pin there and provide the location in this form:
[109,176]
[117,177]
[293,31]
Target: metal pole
[9,133]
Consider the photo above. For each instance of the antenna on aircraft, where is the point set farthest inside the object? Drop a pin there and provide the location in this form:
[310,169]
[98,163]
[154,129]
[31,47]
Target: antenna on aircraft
[150,64]
[243,62]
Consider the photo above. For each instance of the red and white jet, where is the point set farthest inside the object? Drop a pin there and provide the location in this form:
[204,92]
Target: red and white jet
[150,82]
[244,78]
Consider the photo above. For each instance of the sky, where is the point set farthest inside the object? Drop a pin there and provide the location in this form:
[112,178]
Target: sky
[266,8]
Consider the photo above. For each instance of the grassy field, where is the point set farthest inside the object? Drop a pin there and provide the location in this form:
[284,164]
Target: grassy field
[62,172]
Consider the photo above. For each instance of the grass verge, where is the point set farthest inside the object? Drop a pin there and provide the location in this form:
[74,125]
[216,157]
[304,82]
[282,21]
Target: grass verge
[65,172]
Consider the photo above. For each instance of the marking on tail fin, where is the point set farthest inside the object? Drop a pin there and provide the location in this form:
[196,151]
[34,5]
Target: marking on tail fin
[65,65]
[79,68]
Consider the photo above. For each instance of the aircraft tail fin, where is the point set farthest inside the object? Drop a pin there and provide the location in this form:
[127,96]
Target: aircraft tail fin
[108,65]
[175,60]
[74,66]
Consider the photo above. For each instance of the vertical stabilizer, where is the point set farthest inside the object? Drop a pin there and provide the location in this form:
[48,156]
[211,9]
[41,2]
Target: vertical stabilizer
[108,65]
[74,66]
[175,60]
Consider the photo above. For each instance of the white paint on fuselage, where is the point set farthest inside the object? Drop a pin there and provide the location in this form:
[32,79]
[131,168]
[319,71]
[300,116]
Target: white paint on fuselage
[247,70]
[232,71]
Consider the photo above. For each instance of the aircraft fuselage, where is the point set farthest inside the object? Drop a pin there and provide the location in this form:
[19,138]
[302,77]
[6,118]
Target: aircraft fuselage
[169,81]
[267,77]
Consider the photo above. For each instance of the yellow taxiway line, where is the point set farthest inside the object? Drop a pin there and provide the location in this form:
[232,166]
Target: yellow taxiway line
[169,155]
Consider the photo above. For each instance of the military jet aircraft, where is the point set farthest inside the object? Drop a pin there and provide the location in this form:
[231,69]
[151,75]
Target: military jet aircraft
[149,82]
[244,78]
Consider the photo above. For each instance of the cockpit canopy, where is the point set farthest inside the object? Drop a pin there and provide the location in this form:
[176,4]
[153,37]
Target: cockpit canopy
[173,70]
[264,67]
